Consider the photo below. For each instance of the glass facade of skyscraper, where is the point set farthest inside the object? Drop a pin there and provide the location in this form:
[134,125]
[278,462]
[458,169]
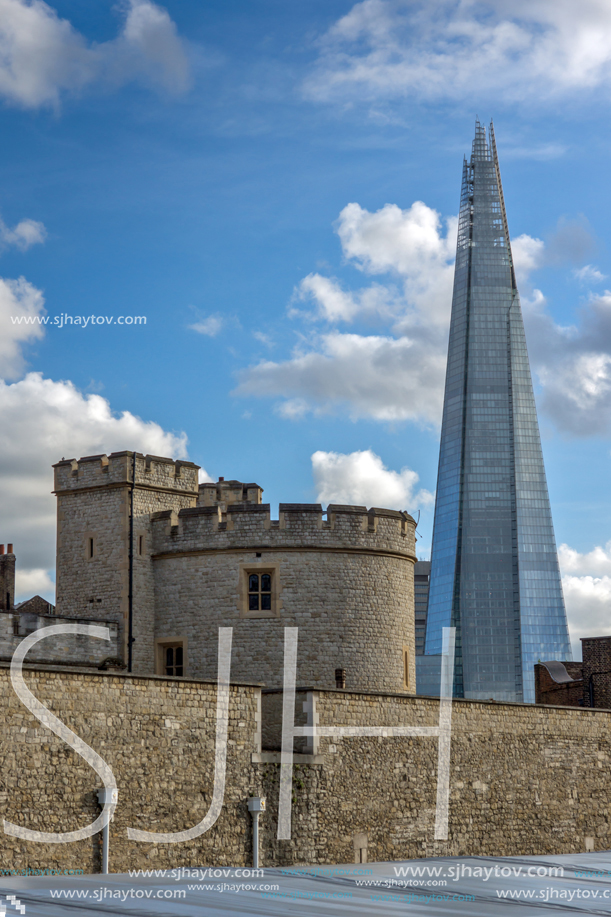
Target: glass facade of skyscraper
[494,572]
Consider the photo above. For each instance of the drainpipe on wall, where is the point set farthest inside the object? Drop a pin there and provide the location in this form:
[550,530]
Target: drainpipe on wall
[130,596]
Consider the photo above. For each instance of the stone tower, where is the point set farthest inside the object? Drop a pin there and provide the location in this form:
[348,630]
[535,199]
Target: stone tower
[94,556]
[345,581]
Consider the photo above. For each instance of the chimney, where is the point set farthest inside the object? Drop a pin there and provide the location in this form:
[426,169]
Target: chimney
[7,579]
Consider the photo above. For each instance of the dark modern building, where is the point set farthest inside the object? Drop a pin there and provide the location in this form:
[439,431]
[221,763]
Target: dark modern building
[494,568]
[422,578]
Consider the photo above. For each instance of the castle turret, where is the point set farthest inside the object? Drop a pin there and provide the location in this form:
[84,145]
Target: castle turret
[346,581]
[97,546]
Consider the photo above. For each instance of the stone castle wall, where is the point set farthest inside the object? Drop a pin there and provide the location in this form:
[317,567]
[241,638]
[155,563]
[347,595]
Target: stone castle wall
[523,779]
[64,649]
[346,582]
[158,737]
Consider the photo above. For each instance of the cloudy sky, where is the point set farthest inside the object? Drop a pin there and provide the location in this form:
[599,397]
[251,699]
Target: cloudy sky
[274,186]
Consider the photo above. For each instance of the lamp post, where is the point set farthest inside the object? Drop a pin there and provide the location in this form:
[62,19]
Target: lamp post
[106,796]
[256,805]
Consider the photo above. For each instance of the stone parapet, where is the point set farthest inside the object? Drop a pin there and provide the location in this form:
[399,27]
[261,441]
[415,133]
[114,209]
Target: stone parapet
[116,468]
[248,526]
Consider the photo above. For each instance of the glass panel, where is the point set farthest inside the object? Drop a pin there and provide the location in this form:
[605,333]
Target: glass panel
[266,582]
[253,602]
[253,582]
[266,602]
[169,656]
[178,655]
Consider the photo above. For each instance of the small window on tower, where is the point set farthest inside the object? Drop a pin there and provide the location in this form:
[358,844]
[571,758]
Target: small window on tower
[140,544]
[260,592]
[171,657]
[91,548]
[173,660]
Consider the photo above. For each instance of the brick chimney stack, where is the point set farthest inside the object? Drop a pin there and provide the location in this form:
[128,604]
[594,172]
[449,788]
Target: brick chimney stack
[7,578]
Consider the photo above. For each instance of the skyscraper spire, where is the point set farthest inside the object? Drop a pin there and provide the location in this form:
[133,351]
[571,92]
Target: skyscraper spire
[494,572]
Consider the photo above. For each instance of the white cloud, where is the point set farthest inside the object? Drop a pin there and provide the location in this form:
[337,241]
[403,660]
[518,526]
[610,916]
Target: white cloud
[43,56]
[24,234]
[410,245]
[398,377]
[149,46]
[41,421]
[528,254]
[263,338]
[597,561]
[588,606]
[371,376]
[573,365]
[334,305]
[589,274]
[210,326]
[19,301]
[444,49]
[586,582]
[33,582]
[362,478]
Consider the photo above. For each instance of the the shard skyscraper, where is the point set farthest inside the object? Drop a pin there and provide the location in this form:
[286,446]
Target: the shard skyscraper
[494,573]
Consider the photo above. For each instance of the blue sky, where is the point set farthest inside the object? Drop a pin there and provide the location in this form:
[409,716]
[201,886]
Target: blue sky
[274,186]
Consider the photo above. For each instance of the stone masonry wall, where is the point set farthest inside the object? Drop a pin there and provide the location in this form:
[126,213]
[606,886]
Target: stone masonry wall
[523,779]
[158,737]
[345,582]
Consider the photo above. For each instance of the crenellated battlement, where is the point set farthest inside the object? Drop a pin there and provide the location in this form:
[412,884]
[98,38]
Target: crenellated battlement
[224,493]
[249,526]
[152,471]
